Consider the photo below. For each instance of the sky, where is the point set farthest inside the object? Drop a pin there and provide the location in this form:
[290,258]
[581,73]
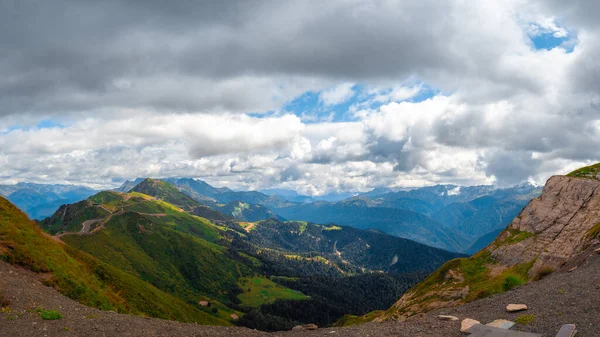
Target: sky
[315,96]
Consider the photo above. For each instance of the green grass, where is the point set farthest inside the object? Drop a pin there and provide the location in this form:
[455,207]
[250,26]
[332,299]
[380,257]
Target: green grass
[106,197]
[254,261]
[261,290]
[589,172]
[525,319]
[515,236]
[238,210]
[511,281]
[155,250]
[72,220]
[84,278]
[49,315]
[348,320]
[593,232]
[166,192]
[475,273]
[332,228]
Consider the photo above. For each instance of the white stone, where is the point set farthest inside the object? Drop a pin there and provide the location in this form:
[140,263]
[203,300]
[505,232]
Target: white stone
[516,307]
[467,323]
[448,318]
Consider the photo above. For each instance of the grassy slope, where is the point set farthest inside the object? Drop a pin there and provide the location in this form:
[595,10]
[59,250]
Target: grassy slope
[69,218]
[175,251]
[261,290]
[153,249]
[84,278]
[591,172]
[167,192]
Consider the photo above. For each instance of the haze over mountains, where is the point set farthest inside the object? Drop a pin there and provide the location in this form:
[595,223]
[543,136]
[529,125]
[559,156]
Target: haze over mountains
[455,218]
[39,200]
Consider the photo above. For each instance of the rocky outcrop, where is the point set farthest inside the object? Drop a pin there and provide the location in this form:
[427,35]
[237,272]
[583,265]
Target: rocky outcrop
[549,234]
[561,221]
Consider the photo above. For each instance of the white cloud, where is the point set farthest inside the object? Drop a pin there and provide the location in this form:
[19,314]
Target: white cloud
[179,98]
[338,94]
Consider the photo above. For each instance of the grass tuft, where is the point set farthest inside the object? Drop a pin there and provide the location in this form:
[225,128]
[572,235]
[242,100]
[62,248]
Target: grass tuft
[525,319]
[590,172]
[512,281]
[49,315]
[593,232]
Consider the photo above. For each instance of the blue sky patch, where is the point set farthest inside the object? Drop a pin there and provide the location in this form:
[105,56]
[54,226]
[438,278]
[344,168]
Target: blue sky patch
[311,108]
[547,39]
[43,124]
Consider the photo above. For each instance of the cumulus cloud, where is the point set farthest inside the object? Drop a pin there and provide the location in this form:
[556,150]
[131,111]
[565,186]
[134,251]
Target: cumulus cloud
[337,95]
[137,88]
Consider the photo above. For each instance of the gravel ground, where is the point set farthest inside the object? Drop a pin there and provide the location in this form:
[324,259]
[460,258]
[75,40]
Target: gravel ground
[564,297]
[27,293]
[561,298]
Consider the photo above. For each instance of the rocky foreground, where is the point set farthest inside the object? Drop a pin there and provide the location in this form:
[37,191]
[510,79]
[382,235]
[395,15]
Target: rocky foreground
[563,297]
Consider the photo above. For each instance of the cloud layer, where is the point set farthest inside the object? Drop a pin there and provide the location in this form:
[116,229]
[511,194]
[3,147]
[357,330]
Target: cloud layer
[137,88]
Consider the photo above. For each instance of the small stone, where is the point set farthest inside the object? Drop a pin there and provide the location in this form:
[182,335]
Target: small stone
[448,318]
[203,303]
[298,328]
[572,269]
[597,250]
[502,324]
[234,317]
[467,323]
[516,307]
[310,326]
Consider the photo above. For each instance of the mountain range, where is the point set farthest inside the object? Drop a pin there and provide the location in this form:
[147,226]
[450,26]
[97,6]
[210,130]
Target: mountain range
[146,252]
[451,217]
[455,218]
[41,200]
[268,274]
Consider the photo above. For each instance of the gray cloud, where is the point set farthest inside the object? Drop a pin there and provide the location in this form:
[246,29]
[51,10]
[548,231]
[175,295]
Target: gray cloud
[154,88]
[203,56]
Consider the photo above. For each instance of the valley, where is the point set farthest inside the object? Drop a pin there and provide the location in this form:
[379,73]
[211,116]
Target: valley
[261,276]
[300,168]
[113,249]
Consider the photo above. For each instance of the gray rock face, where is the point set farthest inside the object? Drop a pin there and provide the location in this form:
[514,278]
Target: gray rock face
[553,229]
[560,221]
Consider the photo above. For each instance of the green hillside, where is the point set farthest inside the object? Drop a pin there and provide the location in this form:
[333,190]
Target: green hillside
[83,277]
[591,172]
[272,274]
[165,191]
[152,240]
[165,254]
